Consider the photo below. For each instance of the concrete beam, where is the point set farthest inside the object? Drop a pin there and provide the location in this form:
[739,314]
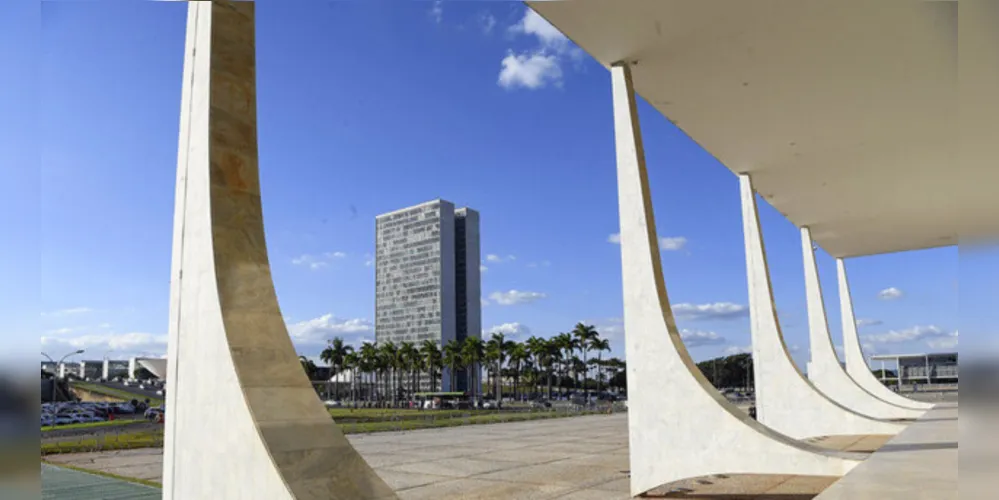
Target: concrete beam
[242,418]
[679,426]
[785,400]
[824,368]
[856,363]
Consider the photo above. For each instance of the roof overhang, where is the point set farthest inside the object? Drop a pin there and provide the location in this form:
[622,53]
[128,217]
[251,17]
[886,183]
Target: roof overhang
[844,113]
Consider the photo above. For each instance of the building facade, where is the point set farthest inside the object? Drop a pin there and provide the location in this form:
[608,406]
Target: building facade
[427,278]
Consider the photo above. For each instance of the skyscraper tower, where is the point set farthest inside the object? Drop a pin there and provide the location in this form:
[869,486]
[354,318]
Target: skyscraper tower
[427,278]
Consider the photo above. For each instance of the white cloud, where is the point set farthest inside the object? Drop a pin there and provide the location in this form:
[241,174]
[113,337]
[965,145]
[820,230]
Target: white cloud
[61,331]
[69,311]
[369,260]
[499,259]
[514,297]
[666,244]
[934,336]
[488,22]
[535,25]
[543,263]
[316,262]
[540,66]
[529,70]
[319,330]
[732,350]
[868,322]
[891,293]
[483,269]
[437,11]
[717,310]
[484,302]
[672,244]
[512,330]
[697,338]
[122,345]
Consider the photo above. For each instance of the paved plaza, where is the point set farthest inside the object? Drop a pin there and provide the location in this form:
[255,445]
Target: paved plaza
[587,457]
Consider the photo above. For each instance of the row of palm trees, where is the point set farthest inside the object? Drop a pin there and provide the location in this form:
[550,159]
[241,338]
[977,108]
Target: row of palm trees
[571,361]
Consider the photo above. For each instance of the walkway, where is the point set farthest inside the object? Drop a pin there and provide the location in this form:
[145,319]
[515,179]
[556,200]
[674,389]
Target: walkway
[920,462]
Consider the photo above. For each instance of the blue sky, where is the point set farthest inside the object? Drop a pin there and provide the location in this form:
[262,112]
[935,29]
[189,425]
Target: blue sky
[366,107]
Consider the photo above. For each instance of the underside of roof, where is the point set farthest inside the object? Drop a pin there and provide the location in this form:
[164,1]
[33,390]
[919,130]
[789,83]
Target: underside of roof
[845,113]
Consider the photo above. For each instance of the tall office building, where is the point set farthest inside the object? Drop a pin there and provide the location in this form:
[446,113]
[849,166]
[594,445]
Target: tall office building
[427,278]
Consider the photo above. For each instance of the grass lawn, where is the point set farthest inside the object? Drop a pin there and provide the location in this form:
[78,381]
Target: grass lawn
[88,425]
[115,393]
[116,441]
[430,420]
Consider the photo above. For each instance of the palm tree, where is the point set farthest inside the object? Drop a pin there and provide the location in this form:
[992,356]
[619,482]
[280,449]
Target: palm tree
[585,334]
[537,347]
[411,362]
[497,347]
[333,356]
[432,361]
[600,345]
[352,362]
[309,367]
[517,356]
[472,352]
[567,344]
[388,354]
[453,360]
[369,364]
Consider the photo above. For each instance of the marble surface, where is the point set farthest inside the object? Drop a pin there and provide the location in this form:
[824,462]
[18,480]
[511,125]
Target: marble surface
[856,363]
[824,368]
[680,427]
[242,418]
[786,401]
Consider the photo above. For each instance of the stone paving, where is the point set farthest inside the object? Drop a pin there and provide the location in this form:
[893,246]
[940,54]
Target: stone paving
[578,458]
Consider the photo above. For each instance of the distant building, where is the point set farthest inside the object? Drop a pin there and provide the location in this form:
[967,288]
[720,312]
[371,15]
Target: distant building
[427,277]
[918,369]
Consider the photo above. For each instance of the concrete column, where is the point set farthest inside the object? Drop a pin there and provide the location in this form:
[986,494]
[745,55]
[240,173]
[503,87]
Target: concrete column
[106,369]
[679,426]
[785,400]
[824,369]
[133,366]
[856,363]
[242,418]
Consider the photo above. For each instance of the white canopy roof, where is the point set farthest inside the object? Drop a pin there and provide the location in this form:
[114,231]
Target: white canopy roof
[845,113]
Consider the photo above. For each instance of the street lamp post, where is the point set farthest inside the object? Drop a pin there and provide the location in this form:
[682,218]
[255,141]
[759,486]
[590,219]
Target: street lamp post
[57,365]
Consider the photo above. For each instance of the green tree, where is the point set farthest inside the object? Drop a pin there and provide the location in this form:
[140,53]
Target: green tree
[472,353]
[567,344]
[496,350]
[518,354]
[432,361]
[389,357]
[452,360]
[334,354]
[352,362]
[411,363]
[369,365]
[600,346]
[585,335]
[309,367]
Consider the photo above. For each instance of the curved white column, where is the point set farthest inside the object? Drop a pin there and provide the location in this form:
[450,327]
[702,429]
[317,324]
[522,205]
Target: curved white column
[785,400]
[824,369]
[856,363]
[679,426]
[242,419]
